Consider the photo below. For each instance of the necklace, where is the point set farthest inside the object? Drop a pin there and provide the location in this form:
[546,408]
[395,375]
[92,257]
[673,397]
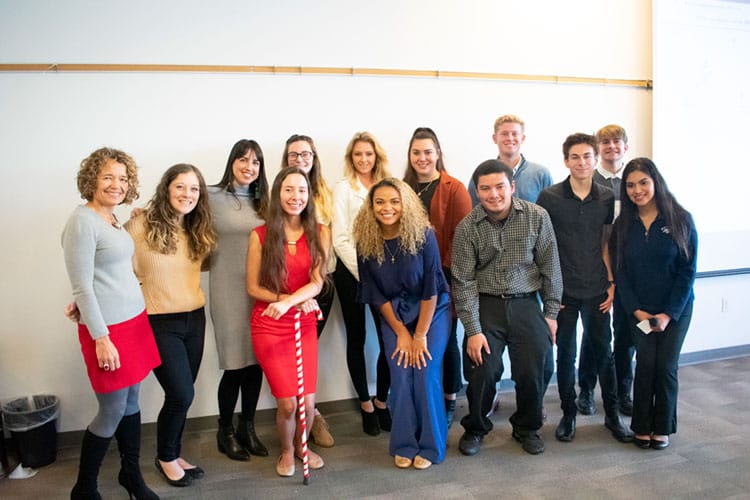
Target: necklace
[419,193]
[388,249]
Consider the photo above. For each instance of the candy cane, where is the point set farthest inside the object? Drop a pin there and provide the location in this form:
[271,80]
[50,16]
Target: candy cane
[301,394]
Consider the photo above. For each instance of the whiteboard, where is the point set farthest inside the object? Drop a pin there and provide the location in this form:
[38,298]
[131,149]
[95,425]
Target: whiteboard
[701,108]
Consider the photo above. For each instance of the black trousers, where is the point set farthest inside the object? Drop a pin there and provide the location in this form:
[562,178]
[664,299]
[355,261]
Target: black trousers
[598,336]
[519,325]
[356,334]
[180,339]
[623,350]
[655,387]
[452,380]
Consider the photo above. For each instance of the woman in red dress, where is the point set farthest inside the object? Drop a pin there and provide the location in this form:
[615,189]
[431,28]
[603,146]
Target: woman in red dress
[286,261]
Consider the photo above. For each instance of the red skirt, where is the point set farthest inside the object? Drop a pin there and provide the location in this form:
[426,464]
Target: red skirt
[136,347]
[273,344]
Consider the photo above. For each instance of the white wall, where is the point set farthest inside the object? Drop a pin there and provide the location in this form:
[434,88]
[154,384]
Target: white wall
[50,121]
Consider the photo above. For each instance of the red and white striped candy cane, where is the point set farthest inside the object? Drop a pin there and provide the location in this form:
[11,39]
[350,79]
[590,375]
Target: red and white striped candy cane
[301,394]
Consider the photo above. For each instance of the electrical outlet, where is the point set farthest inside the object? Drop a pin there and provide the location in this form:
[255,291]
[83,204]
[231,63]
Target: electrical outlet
[724,305]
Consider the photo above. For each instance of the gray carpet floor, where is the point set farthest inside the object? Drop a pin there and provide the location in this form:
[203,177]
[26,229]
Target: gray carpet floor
[709,457]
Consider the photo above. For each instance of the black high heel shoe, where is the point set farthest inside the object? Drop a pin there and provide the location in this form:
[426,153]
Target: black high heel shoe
[185,480]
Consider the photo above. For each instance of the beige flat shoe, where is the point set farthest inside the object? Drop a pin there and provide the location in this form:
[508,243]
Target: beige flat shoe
[284,470]
[403,462]
[421,463]
[314,460]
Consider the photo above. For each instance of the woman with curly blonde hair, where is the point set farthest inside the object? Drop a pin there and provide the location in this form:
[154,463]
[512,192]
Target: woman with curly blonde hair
[116,339]
[365,163]
[173,237]
[401,275]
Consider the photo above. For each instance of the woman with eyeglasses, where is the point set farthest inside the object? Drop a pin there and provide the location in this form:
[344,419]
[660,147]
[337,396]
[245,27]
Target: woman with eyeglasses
[300,152]
[447,202]
[237,203]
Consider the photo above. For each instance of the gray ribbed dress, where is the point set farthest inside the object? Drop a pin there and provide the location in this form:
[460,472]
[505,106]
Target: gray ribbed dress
[233,219]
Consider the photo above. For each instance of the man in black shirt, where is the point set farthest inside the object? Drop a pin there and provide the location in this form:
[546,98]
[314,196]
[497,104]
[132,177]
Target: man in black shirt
[580,210]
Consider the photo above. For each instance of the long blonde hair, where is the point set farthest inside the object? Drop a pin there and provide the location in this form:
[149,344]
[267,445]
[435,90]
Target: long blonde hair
[379,170]
[412,226]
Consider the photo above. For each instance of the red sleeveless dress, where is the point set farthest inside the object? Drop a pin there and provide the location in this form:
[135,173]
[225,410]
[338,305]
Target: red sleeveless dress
[273,340]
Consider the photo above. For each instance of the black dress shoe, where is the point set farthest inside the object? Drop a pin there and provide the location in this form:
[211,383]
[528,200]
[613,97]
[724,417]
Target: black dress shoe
[626,406]
[643,444]
[195,472]
[531,441]
[619,431]
[585,403]
[370,424]
[566,429]
[185,480]
[659,445]
[470,444]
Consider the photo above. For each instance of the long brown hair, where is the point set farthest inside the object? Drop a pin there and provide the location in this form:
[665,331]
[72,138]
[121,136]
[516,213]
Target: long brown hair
[161,219]
[273,275]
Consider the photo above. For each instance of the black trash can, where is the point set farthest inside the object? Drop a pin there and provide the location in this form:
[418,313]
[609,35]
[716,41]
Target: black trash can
[32,422]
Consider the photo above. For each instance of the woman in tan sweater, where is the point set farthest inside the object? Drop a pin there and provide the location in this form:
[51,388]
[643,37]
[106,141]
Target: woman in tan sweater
[172,238]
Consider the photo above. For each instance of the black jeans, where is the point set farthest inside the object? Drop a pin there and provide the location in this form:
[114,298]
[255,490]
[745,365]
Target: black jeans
[519,325]
[597,334]
[356,334]
[624,349]
[179,337]
[655,387]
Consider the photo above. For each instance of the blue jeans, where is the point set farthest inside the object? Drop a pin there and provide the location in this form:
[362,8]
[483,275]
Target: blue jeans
[179,337]
[597,334]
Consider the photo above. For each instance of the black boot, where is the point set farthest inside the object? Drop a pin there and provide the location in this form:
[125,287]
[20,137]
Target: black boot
[227,442]
[93,449]
[128,436]
[248,439]
[450,409]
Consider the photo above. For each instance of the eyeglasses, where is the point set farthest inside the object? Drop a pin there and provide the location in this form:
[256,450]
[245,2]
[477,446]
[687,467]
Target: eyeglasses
[306,155]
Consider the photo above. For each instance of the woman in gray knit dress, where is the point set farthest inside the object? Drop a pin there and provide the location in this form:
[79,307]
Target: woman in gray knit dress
[237,205]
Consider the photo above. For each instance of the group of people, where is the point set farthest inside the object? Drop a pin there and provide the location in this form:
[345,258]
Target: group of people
[516,259]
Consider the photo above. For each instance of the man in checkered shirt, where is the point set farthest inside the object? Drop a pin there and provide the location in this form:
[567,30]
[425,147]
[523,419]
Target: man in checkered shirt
[505,260]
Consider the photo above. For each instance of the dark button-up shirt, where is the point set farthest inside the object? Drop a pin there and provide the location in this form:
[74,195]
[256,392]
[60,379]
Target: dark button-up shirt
[517,256]
[579,230]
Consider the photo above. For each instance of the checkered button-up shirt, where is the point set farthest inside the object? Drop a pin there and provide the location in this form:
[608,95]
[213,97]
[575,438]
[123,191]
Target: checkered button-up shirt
[516,256]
